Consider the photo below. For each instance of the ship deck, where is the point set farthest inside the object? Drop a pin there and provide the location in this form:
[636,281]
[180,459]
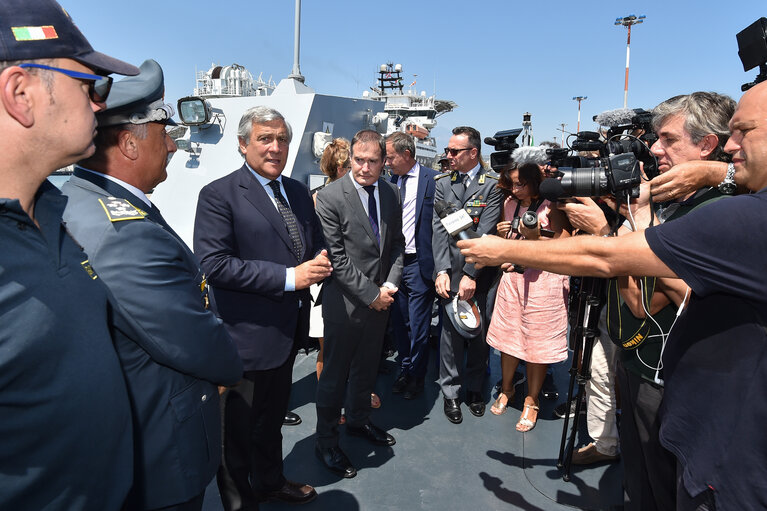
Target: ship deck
[482,463]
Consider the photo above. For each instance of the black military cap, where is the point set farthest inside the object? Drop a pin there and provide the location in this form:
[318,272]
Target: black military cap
[138,99]
[42,29]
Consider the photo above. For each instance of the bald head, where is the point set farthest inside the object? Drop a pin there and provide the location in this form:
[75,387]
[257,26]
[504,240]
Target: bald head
[748,141]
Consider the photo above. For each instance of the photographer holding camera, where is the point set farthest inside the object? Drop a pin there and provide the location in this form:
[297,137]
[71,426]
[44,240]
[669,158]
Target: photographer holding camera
[714,362]
[530,318]
[689,128]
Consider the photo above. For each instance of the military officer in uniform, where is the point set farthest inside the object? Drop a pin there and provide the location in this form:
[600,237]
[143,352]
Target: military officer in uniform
[473,188]
[173,350]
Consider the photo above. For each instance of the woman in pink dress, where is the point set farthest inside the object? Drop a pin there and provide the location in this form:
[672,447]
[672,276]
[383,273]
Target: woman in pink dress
[530,317]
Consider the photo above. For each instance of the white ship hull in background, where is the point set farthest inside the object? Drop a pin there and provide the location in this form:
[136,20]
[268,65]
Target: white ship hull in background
[207,139]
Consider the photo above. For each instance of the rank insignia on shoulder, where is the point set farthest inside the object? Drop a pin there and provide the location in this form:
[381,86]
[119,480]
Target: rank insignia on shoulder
[440,176]
[120,209]
[89,269]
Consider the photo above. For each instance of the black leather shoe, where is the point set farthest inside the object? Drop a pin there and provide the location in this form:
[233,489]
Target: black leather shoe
[335,460]
[549,390]
[414,387]
[400,384]
[293,493]
[372,433]
[291,419]
[476,403]
[453,411]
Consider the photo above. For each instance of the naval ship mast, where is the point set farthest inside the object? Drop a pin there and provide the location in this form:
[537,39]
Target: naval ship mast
[409,111]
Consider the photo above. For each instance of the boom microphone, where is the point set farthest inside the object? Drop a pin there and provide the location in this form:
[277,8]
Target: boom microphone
[614,118]
[457,222]
[530,154]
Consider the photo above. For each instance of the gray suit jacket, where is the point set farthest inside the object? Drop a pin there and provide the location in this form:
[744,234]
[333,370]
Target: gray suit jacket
[482,201]
[360,266]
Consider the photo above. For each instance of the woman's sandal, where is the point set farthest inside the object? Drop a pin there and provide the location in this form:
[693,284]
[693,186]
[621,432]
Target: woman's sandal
[499,408]
[524,425]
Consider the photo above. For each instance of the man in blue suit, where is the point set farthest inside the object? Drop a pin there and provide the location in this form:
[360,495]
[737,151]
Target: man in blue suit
[411,314]
[261,244]
[173,351]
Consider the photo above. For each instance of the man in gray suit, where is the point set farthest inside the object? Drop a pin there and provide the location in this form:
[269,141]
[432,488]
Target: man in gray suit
[471,187]
[362,221]
[173,351]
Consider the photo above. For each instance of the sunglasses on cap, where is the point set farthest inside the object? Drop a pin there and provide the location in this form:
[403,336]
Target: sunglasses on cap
[98,86]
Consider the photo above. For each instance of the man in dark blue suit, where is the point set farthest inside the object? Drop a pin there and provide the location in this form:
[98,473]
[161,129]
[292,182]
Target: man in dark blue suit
[411,314]
[173,351]
[261,245]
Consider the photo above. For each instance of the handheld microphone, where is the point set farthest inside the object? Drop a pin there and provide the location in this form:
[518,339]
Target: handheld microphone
[456,222]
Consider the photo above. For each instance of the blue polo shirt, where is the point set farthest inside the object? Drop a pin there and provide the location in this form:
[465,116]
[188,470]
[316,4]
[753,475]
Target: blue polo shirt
[65,420]
[714,409]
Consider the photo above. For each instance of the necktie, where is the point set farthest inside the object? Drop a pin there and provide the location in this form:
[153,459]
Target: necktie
[373,212]
[465,179]
[402,184]
[289,218]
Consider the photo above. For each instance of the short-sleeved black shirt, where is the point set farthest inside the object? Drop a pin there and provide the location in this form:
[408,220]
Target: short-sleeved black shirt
[714,412]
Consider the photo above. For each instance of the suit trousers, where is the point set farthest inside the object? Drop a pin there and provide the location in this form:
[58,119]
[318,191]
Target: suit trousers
[411,319]
[352,353]
[650,469]
[452,349]
[253,413]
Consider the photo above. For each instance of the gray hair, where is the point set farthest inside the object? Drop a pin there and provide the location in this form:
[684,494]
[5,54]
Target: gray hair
[402,142]
[704,113]
[259,115]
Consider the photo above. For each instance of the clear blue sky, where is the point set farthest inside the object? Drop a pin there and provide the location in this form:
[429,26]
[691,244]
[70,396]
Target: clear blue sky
[495,58]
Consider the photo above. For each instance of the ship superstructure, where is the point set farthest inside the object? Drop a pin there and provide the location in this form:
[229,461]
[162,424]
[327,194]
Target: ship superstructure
[409,111]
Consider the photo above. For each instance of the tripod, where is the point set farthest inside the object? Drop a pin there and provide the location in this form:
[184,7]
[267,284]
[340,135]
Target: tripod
[583,330]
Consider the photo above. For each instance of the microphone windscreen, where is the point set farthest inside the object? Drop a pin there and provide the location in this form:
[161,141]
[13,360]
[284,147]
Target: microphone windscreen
[613,118]
[442,208]
[530,154]
[551,189]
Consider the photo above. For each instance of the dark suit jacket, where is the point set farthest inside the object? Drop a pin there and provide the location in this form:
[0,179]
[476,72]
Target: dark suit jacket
[485,192]
[360,266]
[173,351]
[424,209]
[244,247]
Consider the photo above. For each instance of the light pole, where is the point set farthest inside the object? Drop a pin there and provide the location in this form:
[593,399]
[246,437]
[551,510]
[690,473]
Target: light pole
[563,134]
[628,22]
[579,99]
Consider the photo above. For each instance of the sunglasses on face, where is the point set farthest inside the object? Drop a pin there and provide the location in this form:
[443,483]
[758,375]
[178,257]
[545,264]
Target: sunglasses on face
[454,152]
[98,86]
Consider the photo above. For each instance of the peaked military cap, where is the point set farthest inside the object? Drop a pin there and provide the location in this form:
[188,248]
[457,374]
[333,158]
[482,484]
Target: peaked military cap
[138,99]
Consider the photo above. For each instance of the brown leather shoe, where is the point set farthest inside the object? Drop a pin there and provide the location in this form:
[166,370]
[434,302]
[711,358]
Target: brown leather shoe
[588,455]
[294,493]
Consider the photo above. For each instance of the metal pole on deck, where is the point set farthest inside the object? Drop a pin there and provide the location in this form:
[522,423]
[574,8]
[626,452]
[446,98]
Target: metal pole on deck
[296,74]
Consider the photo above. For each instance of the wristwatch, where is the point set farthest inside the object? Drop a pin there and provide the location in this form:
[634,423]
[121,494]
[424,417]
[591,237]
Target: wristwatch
[727,187]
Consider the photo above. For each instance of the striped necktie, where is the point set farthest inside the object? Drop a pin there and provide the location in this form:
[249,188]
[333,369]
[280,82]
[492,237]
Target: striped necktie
[289,218]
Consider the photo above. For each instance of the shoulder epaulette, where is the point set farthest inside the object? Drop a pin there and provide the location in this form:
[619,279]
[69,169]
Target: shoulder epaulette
[440,176]
[120,209]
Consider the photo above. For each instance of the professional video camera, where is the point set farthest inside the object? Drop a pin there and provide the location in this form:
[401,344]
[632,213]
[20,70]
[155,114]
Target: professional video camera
[752,50]
[504,143]
[614,169]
